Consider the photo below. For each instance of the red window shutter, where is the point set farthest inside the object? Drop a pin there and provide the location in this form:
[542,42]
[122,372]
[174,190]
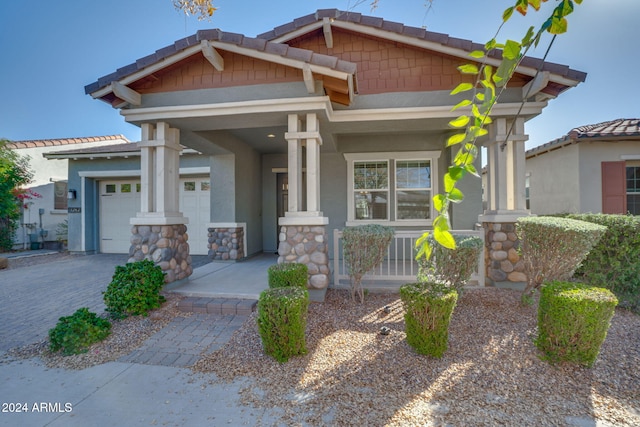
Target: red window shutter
[614,188]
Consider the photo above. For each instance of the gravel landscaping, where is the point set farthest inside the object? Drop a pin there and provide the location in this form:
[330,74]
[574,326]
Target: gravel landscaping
[491,374]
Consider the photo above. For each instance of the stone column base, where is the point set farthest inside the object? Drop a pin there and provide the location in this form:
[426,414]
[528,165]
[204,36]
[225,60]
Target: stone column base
[226,243]
[306,244]
[166,245]
[503,264]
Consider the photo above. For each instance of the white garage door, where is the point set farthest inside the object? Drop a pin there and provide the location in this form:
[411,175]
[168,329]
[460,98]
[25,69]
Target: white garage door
[120,201]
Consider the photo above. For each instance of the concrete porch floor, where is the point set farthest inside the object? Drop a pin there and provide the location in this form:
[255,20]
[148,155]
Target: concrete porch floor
[223,279]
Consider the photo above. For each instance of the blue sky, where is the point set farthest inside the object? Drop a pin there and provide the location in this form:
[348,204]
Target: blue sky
[52,49]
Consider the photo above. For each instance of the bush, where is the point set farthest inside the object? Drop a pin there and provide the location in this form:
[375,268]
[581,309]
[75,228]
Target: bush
[573,320]
[552,248]
[288,274]
[429,307]
[364,248]
[452,267]
[74,334]
[282,321]
[614,263]
[134,289]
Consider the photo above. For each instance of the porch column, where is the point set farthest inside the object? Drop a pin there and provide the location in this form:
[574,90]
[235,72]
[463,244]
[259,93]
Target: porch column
[159,229]
[303,238]
[505,202]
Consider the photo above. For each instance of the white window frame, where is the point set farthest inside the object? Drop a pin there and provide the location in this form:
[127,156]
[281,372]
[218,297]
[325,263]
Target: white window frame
[391,158]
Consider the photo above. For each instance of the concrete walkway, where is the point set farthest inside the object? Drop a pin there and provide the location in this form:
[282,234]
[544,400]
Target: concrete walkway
[150,386]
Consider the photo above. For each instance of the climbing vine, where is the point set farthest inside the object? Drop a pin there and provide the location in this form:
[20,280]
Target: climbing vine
[482,96]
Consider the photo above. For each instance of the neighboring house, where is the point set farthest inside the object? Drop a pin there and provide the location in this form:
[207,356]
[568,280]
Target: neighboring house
[332,120]
[594,168]
[43,215]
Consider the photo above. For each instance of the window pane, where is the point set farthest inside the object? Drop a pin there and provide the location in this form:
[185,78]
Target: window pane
[633,179]
[633,204]
[190,186]
[205,186]
[371,204]
[60,195]
[125,188]
[138,186]
[110,188]
[413,174]
[413,204]
[370,175]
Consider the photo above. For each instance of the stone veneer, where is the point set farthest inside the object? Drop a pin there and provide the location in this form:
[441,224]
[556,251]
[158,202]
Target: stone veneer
[502,260]
[226,243]
[306,244]
[166,245]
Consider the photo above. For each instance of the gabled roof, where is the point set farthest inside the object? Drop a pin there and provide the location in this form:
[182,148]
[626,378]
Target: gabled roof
[400,32]
[35,143]
[612,130]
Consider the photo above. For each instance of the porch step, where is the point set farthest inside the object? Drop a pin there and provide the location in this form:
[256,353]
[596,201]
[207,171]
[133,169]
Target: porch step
[226,306]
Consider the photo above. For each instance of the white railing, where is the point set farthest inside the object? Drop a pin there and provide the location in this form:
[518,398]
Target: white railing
[399,265]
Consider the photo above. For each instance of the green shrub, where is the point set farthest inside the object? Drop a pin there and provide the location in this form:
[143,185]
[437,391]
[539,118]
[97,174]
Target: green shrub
[552,248]
[282,321]
[74,334]
[288,274]
[614,263]
[429,307]
[134,289]
[452,267]
[573,320]
[364,247]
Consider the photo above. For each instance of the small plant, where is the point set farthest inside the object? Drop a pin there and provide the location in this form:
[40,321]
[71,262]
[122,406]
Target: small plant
[134,289]
[282,321]
[62,231]
[573,320]
[552,248]
[288,274]
[364,248]
[452,267]
[429,307]
[74,334]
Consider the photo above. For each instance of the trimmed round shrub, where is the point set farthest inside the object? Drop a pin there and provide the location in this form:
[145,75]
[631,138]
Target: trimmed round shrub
[74,334]
[134,289]
[573,320]
[452,267]
[282,321]
[429,307]
[552,247]
[288,274]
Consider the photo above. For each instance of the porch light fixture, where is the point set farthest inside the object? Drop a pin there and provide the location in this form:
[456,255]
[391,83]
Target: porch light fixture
[71,194]
[271,135]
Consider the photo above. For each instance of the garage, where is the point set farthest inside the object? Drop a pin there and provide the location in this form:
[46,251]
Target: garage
[120,201]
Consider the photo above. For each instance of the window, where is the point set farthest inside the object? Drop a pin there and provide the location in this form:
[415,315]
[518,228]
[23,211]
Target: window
[60,195]
[633,190]
[391,188]
[190,186]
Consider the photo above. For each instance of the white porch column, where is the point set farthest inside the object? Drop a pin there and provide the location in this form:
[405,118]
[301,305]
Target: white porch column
[294,164]
[313,164]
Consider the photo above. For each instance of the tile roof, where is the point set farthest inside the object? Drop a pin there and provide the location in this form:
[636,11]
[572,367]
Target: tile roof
[609,130]
[415,32]
[66,141]
[257,44]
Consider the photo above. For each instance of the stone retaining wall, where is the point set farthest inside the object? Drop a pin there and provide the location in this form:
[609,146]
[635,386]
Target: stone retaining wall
[306,244]
[226,243]
[502,260]
[166,245]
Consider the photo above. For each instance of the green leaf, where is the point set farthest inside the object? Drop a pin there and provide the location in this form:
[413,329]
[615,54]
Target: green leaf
[456,173]
[558,26]
[424,248]
[459,122]
[511,50]
[507,14]
[463,103]
[479,97]
[445,238]
[477,54]
[449,182]
[456,139]
[462,87]
[472,170]
[456,195]
[491,44]
[438,202]
[468,69]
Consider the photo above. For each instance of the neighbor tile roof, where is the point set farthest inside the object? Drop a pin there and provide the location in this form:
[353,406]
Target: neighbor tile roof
[257,44]
[415,32]
[612,129]
[66,141]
